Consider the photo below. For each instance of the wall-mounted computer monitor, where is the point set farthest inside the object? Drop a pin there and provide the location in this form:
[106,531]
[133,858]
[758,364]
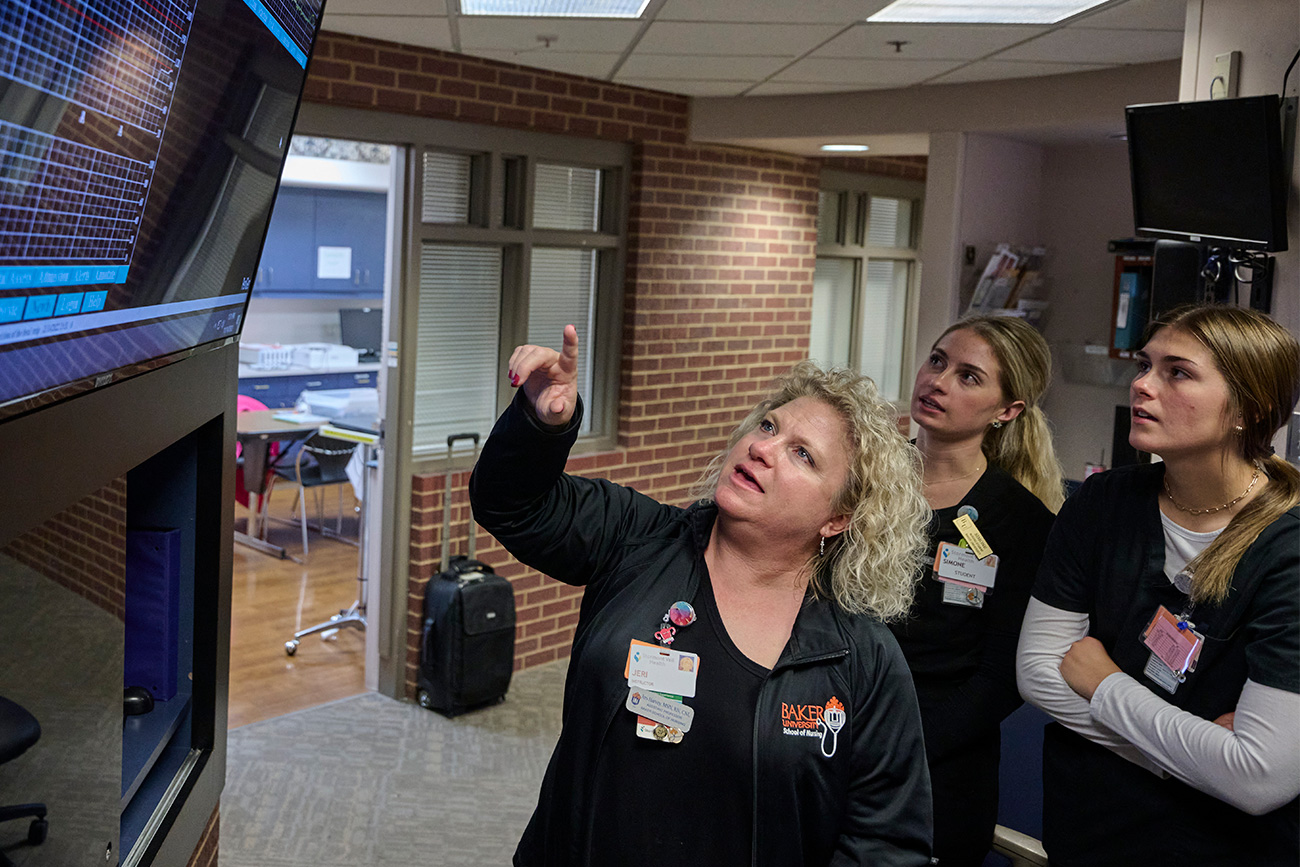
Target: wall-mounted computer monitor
[1209,172]
[141,145]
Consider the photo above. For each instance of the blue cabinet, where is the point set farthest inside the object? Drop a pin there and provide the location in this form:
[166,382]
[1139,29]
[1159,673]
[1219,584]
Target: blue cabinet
[288,261]
[306,219]
[356,221]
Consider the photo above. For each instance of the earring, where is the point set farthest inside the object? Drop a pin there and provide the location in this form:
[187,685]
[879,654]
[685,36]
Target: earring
[996,424]
[1239,430]
[821,552]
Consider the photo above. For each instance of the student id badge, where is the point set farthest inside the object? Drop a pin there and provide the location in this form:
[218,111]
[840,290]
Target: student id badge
[1175,646]
[663,718]
[966,577]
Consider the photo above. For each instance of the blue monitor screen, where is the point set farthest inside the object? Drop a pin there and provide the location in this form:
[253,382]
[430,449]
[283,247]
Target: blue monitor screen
[141,145]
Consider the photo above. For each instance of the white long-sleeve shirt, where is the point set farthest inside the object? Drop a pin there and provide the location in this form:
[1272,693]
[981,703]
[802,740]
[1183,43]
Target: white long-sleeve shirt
[1255,766]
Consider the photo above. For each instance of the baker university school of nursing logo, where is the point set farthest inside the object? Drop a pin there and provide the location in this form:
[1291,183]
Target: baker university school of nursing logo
[815,721]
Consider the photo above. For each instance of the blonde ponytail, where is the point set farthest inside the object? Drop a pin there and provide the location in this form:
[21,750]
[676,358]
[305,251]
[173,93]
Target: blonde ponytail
[1023,446]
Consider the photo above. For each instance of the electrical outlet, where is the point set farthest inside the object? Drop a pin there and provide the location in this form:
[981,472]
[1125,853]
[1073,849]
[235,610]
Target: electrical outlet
[1223,76]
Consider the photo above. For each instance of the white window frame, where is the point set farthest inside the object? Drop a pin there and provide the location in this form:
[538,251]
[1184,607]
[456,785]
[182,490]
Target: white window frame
[853,192]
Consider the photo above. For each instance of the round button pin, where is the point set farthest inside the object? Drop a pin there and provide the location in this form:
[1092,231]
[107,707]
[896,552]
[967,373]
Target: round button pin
[681,614]
[969,512]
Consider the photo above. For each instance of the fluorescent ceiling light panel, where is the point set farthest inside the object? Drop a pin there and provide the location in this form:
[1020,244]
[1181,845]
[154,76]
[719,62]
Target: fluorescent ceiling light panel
[968,12]
[845,148]
[556,8]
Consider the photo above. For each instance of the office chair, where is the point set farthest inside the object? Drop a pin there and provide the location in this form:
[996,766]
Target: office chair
[19,730]
[1020,789]
[317,461]
[256,514]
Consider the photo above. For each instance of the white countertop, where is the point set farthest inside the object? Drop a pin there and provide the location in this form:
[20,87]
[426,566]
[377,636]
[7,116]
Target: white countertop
[247,371]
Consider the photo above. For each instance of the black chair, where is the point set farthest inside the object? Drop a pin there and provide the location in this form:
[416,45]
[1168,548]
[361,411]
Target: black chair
[19,730]
[316,461]
[1020,789]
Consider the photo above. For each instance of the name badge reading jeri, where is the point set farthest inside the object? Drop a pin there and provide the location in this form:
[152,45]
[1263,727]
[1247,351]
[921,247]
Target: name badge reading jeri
[661,669]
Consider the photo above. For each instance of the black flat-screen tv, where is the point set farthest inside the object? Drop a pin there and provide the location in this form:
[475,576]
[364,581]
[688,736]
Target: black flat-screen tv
[1209,172]
[141,145]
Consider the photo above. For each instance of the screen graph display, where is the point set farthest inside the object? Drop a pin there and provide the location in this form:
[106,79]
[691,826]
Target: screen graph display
[141,143]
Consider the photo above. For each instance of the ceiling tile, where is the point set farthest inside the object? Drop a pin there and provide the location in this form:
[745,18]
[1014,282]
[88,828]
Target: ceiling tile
[785,40]
[992,70]
[1138,15]
[865,73]
[590,64]
[773,11]
[1081,44]
[727,68]
[688,87]
[520,34]
[925,42]
[423,31]
[436,8]
[778,88]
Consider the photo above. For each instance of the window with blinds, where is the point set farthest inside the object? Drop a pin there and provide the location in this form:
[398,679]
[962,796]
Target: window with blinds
[519,235]
[562,291]
[566,197]
[862,283]
[832,312]
[889,223]
[446,188]
[882,318]
[456,361]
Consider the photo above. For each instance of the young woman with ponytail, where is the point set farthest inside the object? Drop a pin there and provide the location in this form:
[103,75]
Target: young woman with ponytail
[1164,630]
[986,454]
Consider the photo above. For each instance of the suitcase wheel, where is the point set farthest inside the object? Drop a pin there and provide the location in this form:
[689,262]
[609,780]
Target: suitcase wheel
[423,698]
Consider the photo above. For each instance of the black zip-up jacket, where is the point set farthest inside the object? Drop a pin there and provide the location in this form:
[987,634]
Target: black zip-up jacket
[868,802]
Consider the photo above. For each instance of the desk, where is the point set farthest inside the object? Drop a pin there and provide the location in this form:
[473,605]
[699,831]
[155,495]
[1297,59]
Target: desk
[256,430]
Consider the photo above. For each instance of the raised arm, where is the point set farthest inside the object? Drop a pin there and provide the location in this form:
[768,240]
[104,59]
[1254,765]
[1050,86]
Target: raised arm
[549,379]
[568,527]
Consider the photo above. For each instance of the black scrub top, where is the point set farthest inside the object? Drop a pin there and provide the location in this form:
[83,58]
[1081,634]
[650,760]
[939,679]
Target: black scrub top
[1105,558]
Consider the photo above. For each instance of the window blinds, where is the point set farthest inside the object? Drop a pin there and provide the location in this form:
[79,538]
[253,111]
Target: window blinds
[562,291]
[456,355]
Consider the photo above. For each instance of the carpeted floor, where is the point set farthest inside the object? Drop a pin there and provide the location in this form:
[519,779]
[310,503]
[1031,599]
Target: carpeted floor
[372,782]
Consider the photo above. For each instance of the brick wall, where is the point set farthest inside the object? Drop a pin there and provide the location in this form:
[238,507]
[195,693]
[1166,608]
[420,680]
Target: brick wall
[721,250]
[83,548]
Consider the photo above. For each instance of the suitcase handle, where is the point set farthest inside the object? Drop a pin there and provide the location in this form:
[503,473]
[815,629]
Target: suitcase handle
[446,501]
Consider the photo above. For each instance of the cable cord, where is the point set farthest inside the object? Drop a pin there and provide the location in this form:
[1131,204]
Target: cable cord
[1287,74]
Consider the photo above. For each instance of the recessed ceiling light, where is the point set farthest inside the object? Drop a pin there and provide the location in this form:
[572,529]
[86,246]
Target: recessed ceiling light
[845,148]
[967,12]
[556,8]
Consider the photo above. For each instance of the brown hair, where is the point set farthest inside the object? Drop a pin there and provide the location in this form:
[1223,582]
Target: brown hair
[1023,446]
[1260,361]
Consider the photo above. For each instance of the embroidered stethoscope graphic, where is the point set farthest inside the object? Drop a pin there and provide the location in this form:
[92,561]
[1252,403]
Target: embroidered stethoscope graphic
[833,719]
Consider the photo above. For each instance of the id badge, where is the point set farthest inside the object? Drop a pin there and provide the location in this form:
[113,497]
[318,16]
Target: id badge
[663,718]
[660,669]
[954,563]
[965,595]
[1175,646]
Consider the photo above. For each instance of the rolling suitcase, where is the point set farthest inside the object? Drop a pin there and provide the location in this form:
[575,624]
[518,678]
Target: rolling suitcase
[467,641]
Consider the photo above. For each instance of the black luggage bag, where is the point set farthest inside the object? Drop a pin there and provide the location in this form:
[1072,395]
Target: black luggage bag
[467,643]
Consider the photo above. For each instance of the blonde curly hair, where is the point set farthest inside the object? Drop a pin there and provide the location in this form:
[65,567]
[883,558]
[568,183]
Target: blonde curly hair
[871,567]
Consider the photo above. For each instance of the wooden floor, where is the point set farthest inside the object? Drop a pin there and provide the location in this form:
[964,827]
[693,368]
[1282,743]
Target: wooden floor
[272,599]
